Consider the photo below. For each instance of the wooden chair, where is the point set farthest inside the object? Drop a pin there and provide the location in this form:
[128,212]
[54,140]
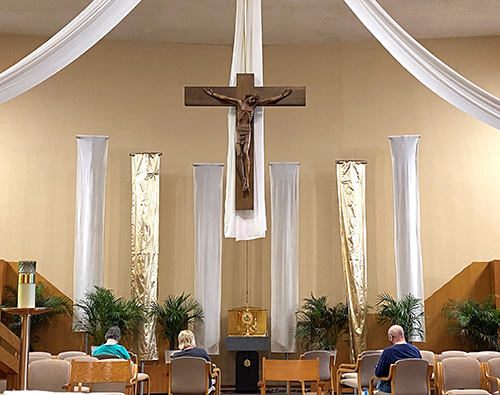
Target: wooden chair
[189,375]
[301,370]
[326,366]
[66,354]
[48,375]
[139,377]
[410,376]
[98,373]
[459,375]
[358,375]
[492,373]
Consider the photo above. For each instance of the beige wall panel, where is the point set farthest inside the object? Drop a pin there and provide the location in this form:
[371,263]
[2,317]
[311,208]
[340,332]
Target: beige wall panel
[357,95]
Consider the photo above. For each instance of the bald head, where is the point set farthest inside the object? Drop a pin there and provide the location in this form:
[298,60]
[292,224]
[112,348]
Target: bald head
[396,334]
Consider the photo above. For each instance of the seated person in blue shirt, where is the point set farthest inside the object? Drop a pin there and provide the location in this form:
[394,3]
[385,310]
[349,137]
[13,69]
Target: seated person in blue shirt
[187,346]
[398,350]
[111,347]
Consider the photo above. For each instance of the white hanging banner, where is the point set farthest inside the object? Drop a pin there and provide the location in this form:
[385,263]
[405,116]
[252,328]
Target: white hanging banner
[78,36]
[247,58]
[284,255]
[92,158]
[424,66]
[409,274]
[207,251]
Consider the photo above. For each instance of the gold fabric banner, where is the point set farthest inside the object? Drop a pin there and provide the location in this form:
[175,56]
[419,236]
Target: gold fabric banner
[145,242]
[352,216]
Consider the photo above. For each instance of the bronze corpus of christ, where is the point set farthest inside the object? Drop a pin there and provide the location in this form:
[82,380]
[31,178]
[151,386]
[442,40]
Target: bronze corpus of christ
[246,98]
[244,127]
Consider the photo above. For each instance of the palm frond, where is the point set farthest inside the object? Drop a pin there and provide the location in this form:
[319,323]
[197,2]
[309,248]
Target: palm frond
[59,305]
[406,312]
[100,309]
[319,324]
[176,314]
[475,323]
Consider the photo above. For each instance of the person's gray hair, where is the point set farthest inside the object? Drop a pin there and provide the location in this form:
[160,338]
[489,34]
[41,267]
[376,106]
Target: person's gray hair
[186,339]
[396,331]
[113,333]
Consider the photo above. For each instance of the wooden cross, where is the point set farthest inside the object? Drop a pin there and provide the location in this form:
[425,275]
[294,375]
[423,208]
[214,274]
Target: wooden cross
[246,97]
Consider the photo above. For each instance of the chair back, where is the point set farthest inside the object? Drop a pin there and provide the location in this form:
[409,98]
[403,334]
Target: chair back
[40,354]
[81,358]
[290,370]
[96,373]
[66,354]
[367,364]
[371,352]
[411,377]
[450,354]
[106,356]
[485,357]
[454,352]
[48,375]
[189,375]
[428,356]
[493,369]
[460,373]
[326,360]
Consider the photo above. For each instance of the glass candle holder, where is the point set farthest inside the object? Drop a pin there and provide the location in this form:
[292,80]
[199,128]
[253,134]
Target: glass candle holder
[26,284]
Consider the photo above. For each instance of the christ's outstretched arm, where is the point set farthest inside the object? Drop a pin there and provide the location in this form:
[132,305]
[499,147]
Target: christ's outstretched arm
[275,99]
[222,98]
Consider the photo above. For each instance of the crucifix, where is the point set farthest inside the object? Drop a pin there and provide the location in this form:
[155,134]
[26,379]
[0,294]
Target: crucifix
[246,97]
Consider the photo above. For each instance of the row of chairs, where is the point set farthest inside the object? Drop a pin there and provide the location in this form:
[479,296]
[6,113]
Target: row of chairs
[56,373]
[448,373]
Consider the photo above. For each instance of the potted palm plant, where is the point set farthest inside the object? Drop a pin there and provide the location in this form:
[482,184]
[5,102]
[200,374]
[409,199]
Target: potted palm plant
[176,314]
[59,305]
[405,312]
[101,309]
[475,323]
[321,324]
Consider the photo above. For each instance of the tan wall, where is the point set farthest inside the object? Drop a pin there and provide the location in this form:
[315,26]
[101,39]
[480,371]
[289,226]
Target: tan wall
[357,95]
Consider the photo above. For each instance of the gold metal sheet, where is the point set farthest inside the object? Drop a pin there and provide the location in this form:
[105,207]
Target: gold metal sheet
[352,215]
[145,242]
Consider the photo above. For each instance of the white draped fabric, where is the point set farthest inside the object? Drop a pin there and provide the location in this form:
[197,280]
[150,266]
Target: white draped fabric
[92,157]
[284,255]
[409,274]
[207,251]
[247,58]
[92,24]
[424,66]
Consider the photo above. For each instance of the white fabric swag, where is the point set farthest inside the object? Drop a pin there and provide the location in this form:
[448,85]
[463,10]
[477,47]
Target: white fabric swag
[424,66]
[92,157]
[207,251]
[247,58]
[78,36]
[409,273]
[284,255]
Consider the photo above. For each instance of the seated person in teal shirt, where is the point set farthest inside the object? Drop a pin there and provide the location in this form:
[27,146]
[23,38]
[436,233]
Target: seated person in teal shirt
[111,347]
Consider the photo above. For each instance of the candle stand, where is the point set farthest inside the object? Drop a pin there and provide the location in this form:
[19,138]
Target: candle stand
[25,313]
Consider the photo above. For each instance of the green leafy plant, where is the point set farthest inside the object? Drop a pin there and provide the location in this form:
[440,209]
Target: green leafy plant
[100,309]
[406,312]
[59,305]
[175,315]
[474,323]
[320,324]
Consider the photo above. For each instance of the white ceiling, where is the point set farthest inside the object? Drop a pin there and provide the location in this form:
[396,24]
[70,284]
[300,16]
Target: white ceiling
[284,21]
